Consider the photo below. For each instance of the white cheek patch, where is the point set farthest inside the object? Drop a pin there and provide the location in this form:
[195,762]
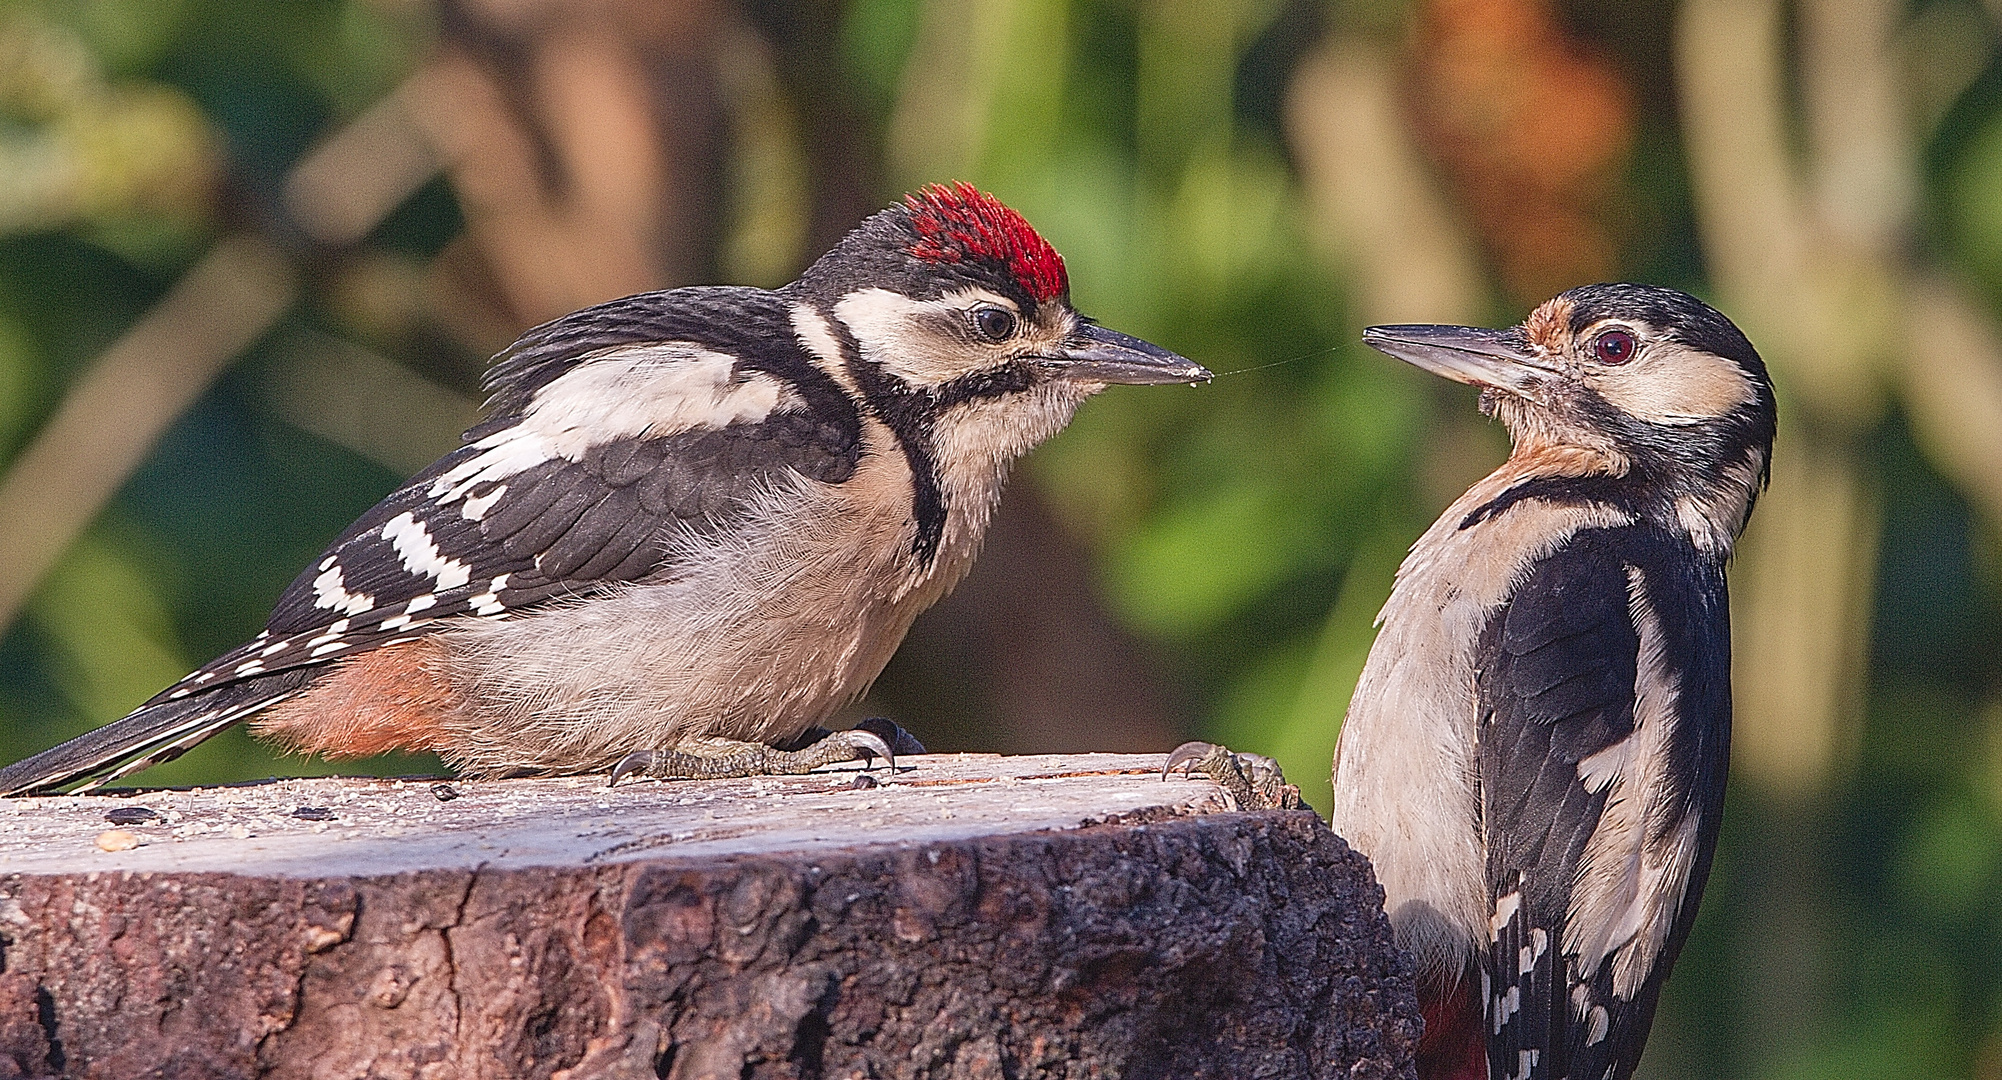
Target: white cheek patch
[637,392]
[894,331]
[1674,384]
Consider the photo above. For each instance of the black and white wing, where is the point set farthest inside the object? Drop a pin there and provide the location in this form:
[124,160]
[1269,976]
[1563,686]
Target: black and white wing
[1604,703]
[611,431]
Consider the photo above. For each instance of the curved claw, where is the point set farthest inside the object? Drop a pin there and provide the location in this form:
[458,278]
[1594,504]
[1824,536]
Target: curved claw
[636,761]
[901,741]
[871,745]
[1187,756]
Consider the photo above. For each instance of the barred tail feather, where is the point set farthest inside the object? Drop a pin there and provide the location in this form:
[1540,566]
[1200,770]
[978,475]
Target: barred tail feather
[156,732]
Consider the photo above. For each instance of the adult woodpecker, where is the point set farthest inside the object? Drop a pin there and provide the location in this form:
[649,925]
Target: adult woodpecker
[692,525]
[1534,757]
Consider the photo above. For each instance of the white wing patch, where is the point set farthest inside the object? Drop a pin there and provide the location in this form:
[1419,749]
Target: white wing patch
[412,541]
[1507,1003]
[1596,771]
[1505,909]
[1539,943]
[330,591]
[488,603]
[1630,883]
[1597,1023]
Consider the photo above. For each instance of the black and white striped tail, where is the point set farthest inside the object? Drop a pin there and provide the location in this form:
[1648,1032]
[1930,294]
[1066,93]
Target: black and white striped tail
[156,732]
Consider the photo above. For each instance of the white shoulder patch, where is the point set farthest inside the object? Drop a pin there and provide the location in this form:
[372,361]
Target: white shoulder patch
[1630,883]
[640,391]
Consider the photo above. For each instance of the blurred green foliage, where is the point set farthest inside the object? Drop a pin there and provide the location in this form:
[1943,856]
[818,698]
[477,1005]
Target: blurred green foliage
[1247,531]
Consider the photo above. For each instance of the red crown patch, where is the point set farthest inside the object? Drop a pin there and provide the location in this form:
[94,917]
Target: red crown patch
[957,222]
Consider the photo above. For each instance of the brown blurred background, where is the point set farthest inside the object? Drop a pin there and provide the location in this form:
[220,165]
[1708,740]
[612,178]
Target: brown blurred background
[253,255]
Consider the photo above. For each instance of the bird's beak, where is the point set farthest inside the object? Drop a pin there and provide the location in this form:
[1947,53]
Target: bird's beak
[1496,359]
[1095,354]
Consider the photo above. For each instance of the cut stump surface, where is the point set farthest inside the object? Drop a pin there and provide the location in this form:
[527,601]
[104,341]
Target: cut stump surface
[974,916]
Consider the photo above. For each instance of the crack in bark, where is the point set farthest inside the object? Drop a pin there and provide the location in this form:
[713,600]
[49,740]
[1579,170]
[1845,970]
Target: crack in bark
[452,960]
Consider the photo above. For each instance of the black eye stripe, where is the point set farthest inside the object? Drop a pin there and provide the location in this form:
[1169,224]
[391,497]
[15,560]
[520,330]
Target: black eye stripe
[996,382]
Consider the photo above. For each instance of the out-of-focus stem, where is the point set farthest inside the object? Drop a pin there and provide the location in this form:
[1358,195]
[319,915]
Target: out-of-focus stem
[1863,182]
[1817,298]
[1808,261]
[1375,206]
[118,410]
[355,177]
[1952,383]
[552,252]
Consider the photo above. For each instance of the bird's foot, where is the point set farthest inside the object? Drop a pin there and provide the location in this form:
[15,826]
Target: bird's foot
[724,759]
[1252,781]
[899,740]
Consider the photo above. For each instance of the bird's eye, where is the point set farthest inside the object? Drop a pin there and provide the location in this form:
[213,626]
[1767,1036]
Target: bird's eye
[994,323]
[1614,347]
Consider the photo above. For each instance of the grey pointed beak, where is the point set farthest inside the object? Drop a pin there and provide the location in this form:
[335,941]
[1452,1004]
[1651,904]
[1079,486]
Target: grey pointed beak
[1095,354]
[1497,359]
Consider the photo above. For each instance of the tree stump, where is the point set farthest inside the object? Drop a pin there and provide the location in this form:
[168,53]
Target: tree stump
[974,916]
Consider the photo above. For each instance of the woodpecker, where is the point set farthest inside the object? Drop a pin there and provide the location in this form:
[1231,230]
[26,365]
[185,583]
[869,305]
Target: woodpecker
[692,525]
[1535,753]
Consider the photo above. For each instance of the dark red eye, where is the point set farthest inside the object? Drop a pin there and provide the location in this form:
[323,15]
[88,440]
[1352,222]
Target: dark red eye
[1614,347]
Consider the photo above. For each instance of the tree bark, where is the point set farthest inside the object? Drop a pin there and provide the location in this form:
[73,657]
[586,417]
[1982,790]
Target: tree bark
[974,916]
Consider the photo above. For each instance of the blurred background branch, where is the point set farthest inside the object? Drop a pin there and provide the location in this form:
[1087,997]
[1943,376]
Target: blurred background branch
[253,258]
[112,416]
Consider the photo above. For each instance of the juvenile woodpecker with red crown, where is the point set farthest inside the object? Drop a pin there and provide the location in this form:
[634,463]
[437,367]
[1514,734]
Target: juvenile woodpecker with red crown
[693,524]
[1534,756]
